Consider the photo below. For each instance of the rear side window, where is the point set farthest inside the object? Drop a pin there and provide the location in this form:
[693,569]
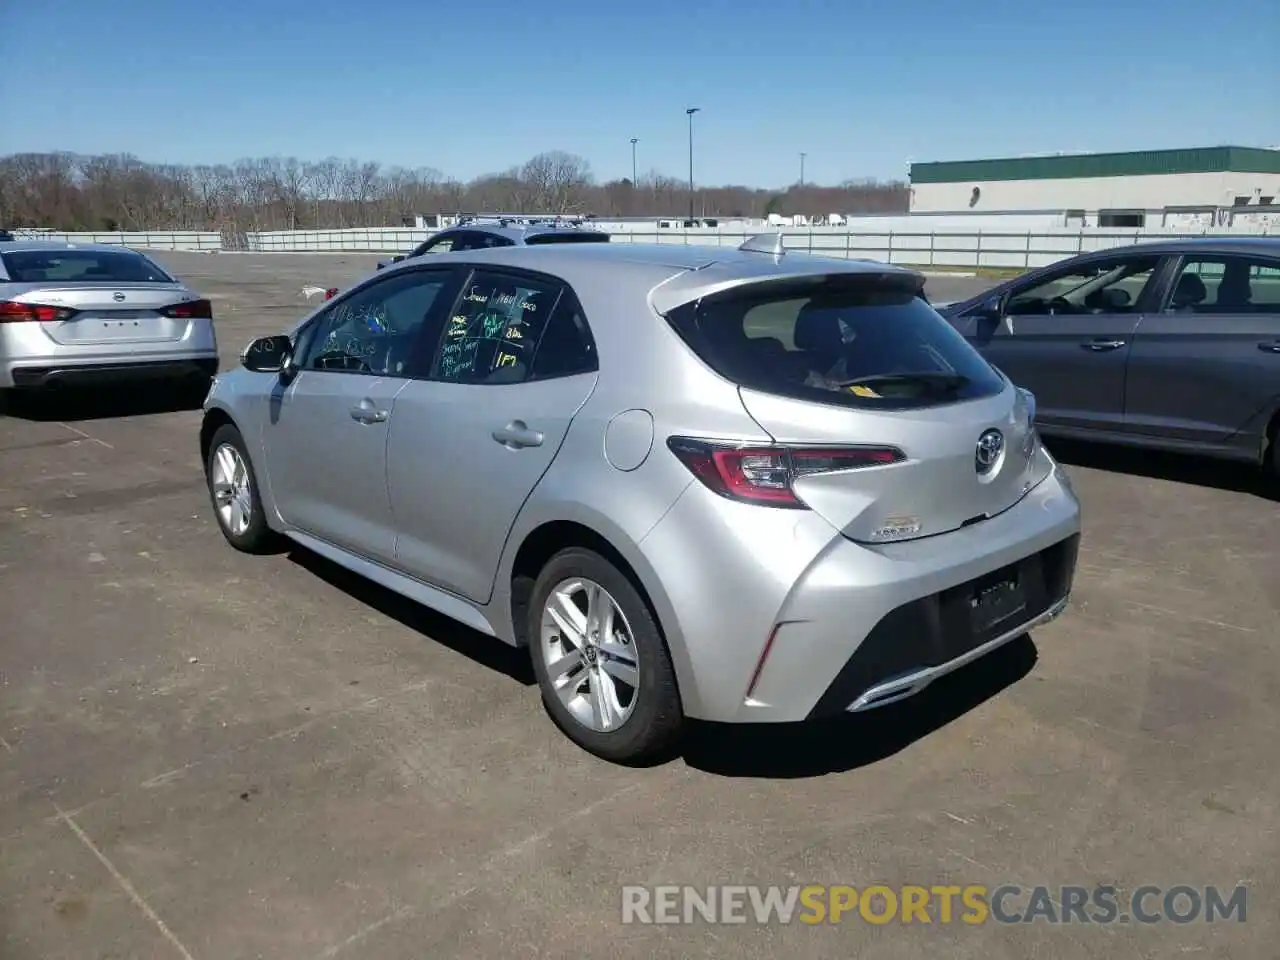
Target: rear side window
[81,266]
[853,341]
[585,236]
[567,347]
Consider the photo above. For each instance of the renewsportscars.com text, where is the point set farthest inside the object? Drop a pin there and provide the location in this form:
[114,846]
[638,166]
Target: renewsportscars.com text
[970,904]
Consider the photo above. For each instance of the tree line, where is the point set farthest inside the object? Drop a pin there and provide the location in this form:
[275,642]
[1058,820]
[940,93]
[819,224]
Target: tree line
[67,191]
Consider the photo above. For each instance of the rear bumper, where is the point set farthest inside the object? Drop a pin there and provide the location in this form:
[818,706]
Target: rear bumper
[774,619]
[29,357]
[32,376]
[925,639]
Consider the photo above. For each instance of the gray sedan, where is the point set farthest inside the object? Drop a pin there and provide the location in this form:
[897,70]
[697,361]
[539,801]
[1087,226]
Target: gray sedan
[85,314]
[1169,345]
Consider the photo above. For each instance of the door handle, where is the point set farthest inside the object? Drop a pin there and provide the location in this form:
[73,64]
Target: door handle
[366,412]
[1098,346]
[516,435]
[1270,346]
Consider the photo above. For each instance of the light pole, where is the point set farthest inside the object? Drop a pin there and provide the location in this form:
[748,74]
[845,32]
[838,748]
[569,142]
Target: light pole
[802,156]
[634,141]
[690,111]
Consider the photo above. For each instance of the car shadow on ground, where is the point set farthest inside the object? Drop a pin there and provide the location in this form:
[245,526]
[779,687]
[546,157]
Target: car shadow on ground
[1160,465]
[817,748]
[69,405]
[484,650]
[776,751]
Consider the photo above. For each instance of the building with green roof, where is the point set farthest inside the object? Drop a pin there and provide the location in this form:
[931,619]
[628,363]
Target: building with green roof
[1132,189]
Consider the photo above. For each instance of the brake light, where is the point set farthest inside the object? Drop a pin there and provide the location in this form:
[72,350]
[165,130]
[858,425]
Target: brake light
[11,311]
[766,474]
[331,293]
[190,310]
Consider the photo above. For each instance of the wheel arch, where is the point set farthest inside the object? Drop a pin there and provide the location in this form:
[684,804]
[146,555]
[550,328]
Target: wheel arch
[215,418]
[545,539]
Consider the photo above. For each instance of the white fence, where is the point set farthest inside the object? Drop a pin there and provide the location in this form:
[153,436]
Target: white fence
[359,239]
[153,239]
[950,248]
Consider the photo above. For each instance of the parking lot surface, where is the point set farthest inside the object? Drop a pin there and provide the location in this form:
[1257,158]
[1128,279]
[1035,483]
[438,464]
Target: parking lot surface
[209,755]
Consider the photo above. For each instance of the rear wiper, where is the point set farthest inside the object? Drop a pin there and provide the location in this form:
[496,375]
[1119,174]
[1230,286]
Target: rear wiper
[946,382]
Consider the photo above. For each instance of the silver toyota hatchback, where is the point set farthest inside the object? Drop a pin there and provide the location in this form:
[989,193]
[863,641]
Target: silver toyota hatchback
[733,485]
[89,314]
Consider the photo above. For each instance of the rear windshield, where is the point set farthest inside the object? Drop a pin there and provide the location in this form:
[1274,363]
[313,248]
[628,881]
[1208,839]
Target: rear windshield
[857,342]
[81,266]
[586,236]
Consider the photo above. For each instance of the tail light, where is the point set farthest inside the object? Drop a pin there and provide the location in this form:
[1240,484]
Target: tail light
[331,293]
[190,310]
[766,474]
[11,311]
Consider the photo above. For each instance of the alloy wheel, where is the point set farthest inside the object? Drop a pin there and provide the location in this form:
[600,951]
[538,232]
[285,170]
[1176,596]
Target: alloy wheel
[232,493]
[590,654]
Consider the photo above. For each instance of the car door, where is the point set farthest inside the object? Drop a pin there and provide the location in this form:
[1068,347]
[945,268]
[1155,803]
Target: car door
[514,364]
[326,435]
[1205,365]
[1065,334]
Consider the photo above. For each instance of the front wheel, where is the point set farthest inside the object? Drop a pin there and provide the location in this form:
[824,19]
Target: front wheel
[602,665]
[233,489]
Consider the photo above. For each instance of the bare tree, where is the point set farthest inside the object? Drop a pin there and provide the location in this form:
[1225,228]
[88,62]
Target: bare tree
[121,192]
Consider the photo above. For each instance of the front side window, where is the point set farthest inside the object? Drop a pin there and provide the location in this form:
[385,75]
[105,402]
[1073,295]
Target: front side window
[374,330]
[1226,284]
[486,241]
[494,333]
[1105,286]
[852,341]
[81,266]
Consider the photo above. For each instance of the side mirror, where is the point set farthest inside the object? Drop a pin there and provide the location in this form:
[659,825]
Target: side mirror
[990,309]
[267,354]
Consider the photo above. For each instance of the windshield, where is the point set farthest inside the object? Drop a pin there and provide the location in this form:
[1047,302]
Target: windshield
[865,342]
[81,266]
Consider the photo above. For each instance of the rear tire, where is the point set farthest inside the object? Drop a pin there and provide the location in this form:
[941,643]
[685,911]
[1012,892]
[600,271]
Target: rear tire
[233,491]
[618,699]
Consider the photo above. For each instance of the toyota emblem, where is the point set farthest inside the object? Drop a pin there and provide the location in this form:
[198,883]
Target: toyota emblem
[990,446]
[118,297]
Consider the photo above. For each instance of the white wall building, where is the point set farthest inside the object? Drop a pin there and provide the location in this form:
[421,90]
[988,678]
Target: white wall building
[1204,186]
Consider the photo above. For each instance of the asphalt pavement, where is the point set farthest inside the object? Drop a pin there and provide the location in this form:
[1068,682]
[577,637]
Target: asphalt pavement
[209,755]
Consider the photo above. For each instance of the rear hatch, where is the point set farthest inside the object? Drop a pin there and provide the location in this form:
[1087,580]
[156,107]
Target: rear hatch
[887,423]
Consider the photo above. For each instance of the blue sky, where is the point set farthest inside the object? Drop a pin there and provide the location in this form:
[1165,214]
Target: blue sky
[474,86]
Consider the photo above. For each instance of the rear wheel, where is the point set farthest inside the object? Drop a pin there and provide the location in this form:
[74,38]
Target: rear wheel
[233,489]
[600,659]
